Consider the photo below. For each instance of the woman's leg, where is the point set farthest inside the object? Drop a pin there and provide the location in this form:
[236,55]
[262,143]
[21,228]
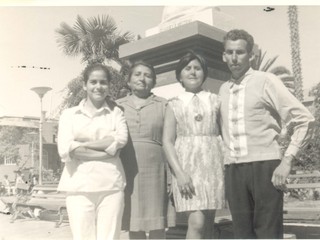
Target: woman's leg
[157,234]
[209,228]
[137,235]
[196,225]
[109,214]
[81,212]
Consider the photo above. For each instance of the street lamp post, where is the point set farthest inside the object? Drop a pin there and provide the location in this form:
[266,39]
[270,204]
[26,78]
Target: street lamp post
[32,148]
[41,91]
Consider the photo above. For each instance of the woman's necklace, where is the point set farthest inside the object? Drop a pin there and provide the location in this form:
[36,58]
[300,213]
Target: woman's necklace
[196,108]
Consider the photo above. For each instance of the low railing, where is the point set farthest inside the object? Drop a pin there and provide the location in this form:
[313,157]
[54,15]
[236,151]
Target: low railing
[305,188]
[308,180]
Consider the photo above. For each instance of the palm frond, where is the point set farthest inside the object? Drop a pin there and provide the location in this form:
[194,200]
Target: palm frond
[105,24]
[96,38]
[261,59]
[80,25]
[127,36]
[64,29]
[258,59]
[269,63]
[68,39]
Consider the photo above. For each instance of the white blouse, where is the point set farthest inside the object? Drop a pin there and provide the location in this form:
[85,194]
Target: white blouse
[91,176]
[204,97]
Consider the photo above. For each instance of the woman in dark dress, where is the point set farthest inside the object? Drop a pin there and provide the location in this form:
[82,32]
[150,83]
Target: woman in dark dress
[146,198]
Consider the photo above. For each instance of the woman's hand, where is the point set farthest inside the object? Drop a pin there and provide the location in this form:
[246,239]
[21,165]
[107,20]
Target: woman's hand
[185,185]
[184,181]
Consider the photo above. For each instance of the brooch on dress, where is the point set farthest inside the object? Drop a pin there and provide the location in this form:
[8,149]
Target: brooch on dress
[198,117]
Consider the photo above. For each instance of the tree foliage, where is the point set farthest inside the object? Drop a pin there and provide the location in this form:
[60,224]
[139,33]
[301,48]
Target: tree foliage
[10,139]
[309,159]
[96,39]
[259,63]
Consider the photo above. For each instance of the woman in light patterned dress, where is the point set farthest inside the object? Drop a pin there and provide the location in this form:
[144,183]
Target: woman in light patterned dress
[191,144]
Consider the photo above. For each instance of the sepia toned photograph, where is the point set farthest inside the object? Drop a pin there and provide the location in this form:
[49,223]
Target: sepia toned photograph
[159,121]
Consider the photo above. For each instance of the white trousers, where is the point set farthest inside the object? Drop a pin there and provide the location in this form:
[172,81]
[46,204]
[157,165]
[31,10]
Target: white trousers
[95,216]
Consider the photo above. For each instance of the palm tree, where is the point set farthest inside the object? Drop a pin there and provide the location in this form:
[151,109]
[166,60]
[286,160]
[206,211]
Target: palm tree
[292,81]
[97,39]
[259,57]
[295,51]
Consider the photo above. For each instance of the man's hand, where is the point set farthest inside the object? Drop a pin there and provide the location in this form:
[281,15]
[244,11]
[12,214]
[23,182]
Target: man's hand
[281,173]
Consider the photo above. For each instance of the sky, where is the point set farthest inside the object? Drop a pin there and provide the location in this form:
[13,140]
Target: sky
[28,38]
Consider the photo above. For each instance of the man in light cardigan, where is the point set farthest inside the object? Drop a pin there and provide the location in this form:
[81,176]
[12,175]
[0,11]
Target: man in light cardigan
[253,106]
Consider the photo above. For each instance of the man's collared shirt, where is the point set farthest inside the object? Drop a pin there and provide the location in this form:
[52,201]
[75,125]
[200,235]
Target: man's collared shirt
[252,111]
[90,176]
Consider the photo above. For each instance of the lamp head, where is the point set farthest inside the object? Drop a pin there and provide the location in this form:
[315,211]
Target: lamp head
[41,91]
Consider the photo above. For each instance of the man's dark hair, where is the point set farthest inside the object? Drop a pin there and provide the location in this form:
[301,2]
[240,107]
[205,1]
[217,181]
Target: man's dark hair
[237,34]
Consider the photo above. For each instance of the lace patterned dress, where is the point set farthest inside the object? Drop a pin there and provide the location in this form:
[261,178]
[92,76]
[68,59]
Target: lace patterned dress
[198,149]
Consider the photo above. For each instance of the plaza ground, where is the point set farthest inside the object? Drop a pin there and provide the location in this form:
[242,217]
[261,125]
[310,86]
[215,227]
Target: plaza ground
[30,229]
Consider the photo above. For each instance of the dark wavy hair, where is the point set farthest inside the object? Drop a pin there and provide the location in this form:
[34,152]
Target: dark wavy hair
[237,34]
[186,59]
[143,63]
[93,67]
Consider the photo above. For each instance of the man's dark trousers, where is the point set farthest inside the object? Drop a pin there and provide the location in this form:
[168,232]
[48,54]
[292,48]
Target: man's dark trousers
[256,205]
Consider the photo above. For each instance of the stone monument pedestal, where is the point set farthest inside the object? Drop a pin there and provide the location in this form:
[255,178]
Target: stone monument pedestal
[163,51]
[174,16]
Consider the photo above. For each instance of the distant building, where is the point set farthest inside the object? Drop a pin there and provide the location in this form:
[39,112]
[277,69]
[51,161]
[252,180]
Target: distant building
[28,153]
[28,122]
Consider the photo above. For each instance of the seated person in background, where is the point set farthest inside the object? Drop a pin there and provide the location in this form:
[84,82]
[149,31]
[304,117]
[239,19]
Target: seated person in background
[7,185]
[19,182]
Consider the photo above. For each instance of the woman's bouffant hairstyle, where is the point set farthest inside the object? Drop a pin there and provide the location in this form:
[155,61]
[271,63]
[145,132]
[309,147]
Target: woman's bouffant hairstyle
[142,63]
[93,67]
[186,59]
[237,34]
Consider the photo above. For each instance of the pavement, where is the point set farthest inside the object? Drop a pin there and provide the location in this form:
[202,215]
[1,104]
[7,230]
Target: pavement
[30,229]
